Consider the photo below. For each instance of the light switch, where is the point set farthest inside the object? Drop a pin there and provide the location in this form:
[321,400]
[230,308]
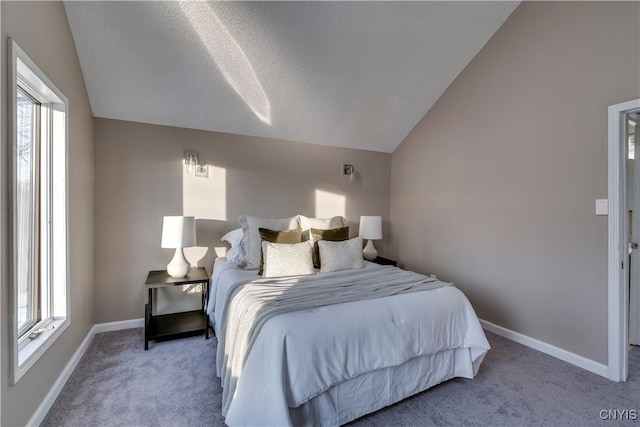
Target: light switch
[602,207]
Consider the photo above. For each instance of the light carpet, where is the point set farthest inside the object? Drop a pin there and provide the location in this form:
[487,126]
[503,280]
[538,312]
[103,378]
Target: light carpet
[173,384]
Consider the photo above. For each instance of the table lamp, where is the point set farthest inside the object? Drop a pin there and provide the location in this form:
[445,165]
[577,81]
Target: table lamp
[178,232]
[371,229]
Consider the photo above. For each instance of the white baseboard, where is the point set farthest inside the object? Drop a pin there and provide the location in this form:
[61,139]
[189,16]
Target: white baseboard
[50,398]
[55,390]
[118,326]
[551,350]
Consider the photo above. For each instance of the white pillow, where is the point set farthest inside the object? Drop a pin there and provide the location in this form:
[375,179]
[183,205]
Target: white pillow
[320,223]
[344,255]
[236,254]
[251,240]
[287,259]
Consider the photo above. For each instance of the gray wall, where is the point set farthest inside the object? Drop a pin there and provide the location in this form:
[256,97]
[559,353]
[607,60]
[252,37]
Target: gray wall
[140,178]
[41,29]
[494,188]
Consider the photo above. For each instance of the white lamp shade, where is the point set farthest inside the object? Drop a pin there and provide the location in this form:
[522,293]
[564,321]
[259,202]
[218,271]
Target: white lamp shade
[178,232]
[371,227]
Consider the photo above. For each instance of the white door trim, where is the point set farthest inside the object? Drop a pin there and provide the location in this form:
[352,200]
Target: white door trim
[618,242]
[633,194]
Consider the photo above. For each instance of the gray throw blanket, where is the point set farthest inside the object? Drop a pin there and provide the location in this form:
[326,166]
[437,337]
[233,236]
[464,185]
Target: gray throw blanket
[250,304]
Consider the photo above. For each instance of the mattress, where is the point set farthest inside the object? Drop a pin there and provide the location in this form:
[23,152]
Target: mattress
[417,340]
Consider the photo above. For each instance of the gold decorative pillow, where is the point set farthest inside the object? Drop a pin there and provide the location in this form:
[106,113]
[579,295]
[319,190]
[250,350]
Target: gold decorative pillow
[332,234]
[277,236]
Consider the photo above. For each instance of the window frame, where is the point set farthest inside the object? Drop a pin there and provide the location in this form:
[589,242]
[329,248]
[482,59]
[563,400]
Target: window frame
[23,72]
[36,284]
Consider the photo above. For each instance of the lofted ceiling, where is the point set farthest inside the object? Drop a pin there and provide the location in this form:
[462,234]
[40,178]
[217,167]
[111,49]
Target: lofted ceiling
[353,74]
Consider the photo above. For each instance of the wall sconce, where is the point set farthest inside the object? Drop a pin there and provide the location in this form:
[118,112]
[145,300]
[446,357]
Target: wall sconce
[192,162]
[349,170]
[202,171]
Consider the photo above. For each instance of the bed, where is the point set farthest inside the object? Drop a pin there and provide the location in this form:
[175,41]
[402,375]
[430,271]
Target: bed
[330,364]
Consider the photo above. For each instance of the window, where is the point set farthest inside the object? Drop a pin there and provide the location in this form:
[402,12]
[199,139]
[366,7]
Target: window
[27,163]
[39,269]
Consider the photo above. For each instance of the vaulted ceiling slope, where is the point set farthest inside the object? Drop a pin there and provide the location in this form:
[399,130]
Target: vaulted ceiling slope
[356,74]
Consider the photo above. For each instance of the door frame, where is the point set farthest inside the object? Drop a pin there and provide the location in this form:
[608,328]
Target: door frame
[633,194]
[618,336]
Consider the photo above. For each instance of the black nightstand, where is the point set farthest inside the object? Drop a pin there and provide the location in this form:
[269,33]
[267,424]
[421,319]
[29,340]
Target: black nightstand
[175,325]
[385,261]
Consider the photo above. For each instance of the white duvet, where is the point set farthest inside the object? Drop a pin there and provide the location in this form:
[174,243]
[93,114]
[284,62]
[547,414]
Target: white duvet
[300,355]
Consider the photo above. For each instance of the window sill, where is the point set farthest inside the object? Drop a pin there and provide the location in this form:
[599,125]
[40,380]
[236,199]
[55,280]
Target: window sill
[31,351]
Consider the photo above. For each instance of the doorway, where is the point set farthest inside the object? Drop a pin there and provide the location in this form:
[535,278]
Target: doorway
[619,238]
[633,204]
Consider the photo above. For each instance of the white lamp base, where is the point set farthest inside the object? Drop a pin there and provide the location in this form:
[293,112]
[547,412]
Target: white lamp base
[369,253]
[179,266]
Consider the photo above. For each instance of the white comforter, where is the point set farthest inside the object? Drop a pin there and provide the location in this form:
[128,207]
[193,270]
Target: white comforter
[299,355]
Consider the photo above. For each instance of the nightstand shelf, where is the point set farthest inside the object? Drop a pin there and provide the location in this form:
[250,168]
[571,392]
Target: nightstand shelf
[175,325]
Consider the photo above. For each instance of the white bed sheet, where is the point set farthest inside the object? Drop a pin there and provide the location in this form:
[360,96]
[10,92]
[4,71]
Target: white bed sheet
[224,275]
[412,341]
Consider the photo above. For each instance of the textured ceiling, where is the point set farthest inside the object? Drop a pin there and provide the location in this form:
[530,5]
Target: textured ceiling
[357,75]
